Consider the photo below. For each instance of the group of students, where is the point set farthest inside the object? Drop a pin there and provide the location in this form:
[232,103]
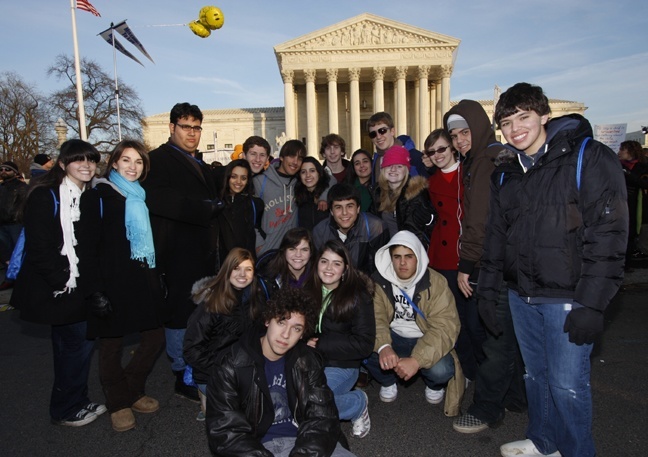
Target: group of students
[399,262]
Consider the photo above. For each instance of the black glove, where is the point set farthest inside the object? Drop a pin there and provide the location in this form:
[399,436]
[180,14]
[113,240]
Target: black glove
[99,305]
[487,312]
[583,325]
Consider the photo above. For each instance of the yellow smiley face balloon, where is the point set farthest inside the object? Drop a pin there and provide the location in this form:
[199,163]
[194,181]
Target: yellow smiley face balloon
[211,17]
[199,29]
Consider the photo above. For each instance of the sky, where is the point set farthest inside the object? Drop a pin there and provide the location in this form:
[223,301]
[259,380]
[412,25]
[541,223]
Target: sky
[590,51]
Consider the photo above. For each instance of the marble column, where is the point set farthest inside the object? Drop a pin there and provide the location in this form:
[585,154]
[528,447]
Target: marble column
[424,107]
[446,71]
[379,89]
[289,104]
[439,105]
[331,77]
[354,108]
[312,141]
[401,107]
[433,108]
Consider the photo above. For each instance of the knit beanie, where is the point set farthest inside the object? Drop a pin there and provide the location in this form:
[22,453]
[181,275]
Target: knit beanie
[456,122]
[396,155]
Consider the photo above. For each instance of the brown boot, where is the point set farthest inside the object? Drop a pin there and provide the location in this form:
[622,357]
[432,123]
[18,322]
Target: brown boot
[146,405]
[123,420]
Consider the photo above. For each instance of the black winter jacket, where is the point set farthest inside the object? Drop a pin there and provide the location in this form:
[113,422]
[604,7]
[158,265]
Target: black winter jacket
[240,410]
[346,343]
[208,333]
[550,239]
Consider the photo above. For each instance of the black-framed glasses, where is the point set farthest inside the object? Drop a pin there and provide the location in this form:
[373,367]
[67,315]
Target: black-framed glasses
[5,169]
[432,152]
[381,130]
[188,128]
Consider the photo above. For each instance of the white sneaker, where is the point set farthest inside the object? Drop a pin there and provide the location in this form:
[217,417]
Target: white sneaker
[388,394]
[362,425]
[523,448]
[434,397]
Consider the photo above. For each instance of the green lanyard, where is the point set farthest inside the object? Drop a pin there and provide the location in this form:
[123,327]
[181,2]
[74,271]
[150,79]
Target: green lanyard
[326,300]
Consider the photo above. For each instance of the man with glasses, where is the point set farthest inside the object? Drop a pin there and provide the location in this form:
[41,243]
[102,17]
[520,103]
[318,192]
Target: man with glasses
[498,385]
[182,200]
[383,135]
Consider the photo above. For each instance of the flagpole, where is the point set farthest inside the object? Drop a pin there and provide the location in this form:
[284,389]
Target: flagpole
[77,68]
[116,84]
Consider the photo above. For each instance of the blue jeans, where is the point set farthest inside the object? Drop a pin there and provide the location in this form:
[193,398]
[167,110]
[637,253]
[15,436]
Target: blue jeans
[174,342]
[281,447]
[350,403]
[557,379]
[436,377]
[72,354]
[8,236]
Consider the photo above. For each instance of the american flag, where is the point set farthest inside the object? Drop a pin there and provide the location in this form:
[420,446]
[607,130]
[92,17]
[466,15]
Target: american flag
[86,6]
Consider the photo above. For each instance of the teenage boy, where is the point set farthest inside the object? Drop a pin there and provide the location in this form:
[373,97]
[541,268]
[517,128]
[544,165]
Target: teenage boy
[498,384]
[333,151]
[416,324]
[362,233]
[267,395]
[276,187]
[256,150]
[556,234]
[382,132]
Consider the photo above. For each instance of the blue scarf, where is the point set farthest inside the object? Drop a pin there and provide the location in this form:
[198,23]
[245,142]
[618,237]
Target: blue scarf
[138,224]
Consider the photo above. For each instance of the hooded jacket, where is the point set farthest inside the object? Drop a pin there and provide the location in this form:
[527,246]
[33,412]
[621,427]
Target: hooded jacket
[240,410]
[279,211]
[551,239]
[477,168]
[429,291]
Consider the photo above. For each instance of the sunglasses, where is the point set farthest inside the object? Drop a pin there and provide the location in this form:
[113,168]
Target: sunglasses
[5,169]
[433,152]
[381,130]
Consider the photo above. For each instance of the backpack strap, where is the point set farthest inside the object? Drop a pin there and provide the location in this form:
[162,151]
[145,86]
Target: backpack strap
[56,202]
[579,163]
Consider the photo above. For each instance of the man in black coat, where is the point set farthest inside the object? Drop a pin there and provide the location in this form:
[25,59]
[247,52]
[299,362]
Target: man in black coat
[182,198]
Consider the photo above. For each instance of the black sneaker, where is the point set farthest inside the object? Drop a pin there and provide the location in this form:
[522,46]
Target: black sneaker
[96,408]
[81,418]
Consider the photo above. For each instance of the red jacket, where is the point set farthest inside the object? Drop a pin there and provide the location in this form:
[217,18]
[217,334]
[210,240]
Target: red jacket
[447,198]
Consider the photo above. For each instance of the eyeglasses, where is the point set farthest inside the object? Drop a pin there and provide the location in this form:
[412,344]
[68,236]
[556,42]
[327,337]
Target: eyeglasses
[381,130]
[5,169]
[187,128]
[433,152]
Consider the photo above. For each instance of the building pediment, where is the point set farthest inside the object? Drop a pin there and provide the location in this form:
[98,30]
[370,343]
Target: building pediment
[367,32]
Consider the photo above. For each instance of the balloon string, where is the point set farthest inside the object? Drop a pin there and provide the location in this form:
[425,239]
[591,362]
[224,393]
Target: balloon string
[160,25]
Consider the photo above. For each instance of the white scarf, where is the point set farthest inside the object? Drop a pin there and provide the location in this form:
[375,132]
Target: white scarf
[70,195]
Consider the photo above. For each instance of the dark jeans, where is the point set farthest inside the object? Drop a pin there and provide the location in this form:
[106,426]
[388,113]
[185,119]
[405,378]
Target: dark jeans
[8,236]
[123,386]
[500,377]
[472,334]
[72,354]
[436,377]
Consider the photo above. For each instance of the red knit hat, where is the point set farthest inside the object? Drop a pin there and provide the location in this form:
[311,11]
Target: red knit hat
[396,155]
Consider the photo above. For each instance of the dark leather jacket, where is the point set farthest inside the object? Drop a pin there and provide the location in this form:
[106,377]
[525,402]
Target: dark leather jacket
[240,410]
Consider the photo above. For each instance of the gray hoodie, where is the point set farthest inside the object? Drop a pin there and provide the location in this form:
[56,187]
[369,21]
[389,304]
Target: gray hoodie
[280,211]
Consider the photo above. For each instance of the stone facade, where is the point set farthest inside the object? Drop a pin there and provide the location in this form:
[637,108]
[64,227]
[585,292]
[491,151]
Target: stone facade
[336,78]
